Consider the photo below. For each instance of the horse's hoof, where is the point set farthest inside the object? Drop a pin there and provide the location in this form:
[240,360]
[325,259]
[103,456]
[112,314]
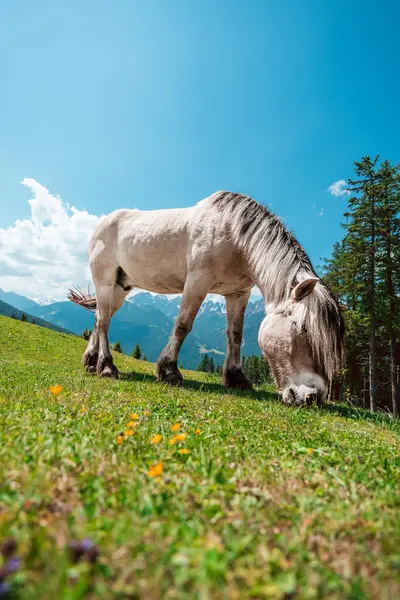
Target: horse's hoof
[172,378]
[90,362]
[236,379]
[110,371]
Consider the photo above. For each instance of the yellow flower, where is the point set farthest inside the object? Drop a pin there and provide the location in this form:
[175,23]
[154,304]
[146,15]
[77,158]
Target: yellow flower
[156,439]
[128,432]
[173,440]
[147,413]
[176,427]
[155,470]
[181,437]
[310,451]
[55,389]
[135,416]
[84,409]
[198,431]
[184,451]
[120,439]
[132,424]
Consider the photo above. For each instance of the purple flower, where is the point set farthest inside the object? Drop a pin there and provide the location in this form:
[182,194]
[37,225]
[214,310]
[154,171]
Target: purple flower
[12,565]
[86,544]
[84,549]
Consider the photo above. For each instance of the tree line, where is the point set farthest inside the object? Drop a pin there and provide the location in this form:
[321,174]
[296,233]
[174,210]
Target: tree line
[117,347]
[254,367]
[24,318]
[364,273]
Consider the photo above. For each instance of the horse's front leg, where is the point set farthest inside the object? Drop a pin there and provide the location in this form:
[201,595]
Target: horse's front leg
[195,290]
[232,374]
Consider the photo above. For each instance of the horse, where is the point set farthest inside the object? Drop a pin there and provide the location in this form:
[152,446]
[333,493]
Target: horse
[225,244]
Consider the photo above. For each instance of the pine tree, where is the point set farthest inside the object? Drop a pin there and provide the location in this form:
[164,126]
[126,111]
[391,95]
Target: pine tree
[211,367]
[364,272]
[390,234]
[137,353]
[204,365]
[24,317]
[362,229]
[33,321]
[117,347]
[144,358]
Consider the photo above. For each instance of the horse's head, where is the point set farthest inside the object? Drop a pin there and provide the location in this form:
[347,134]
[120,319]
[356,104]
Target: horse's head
[296,345]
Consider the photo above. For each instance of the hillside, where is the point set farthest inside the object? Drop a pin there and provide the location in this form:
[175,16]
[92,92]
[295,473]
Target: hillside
[6,310]
[264,502]
[148,320]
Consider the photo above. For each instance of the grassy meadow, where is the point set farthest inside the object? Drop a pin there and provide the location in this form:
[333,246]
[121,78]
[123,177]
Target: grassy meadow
[208,494]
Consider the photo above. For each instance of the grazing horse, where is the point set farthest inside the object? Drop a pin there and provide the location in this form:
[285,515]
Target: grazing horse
[225,244]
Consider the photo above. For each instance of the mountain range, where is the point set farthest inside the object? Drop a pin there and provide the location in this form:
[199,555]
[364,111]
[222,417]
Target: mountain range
[148,320]
[7,310]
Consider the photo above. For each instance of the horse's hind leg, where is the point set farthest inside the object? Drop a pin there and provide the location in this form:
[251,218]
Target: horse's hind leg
[91,354]
[109,299]
[232,374]
[195,290]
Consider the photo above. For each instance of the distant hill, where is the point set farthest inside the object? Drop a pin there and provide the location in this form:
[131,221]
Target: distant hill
[7,310]
[148,320]
[18,301]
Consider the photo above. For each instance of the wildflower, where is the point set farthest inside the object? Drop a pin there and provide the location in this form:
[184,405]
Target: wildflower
[135,416]
[55,389]
[120,439]
[10,567]
[147,413]
[131,424]
[176,427]
[84,548]
[198,431]
[181,437]
[173,440]
[128,432]
[84,409]
[310,451]
[156,439]
[156,470]
[184,451]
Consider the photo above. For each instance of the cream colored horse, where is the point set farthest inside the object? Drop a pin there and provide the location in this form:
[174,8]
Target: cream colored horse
[225,244]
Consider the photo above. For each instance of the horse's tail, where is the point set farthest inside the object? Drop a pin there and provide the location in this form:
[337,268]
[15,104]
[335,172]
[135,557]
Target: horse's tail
[87,300]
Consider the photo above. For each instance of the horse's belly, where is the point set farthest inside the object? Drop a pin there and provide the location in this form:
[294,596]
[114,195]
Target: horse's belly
[155,270]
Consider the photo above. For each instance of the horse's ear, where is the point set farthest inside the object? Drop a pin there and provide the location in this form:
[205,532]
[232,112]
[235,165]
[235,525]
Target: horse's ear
[304,288]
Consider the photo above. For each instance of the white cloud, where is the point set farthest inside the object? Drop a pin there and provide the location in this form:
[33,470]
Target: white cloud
[321,212]
[338,189]
[44,255]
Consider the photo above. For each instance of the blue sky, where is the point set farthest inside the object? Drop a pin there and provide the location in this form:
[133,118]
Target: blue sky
[155,104]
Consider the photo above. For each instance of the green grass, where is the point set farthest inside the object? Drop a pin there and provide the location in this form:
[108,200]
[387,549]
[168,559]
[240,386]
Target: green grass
[272,502]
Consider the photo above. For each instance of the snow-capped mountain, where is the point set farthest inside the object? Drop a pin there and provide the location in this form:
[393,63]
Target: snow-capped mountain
[148,319]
